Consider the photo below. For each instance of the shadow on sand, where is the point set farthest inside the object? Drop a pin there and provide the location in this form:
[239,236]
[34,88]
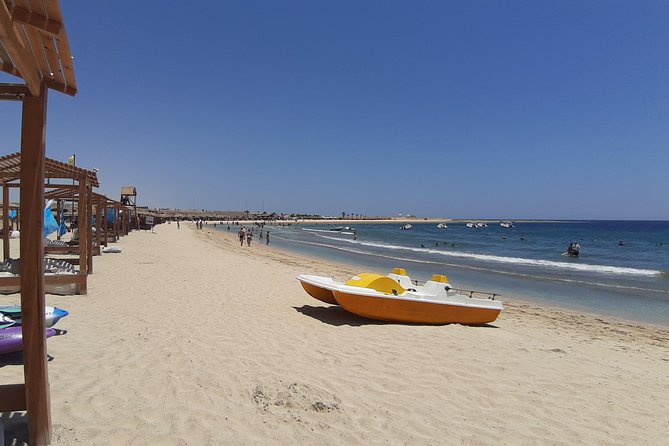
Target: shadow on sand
[336,315]
[16,428]
[16,358]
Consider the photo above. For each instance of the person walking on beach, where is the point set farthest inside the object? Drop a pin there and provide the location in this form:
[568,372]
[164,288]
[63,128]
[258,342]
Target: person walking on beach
[249,236]
[178,226]
[242,234]
[267,237]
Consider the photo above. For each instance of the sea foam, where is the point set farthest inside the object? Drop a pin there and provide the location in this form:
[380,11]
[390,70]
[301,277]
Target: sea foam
[583,267]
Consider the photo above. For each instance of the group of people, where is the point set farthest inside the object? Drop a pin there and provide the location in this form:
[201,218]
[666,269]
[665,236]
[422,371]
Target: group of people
[573,249]
[247,234]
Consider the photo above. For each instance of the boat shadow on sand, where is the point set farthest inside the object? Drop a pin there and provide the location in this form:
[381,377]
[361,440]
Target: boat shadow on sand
[337,316]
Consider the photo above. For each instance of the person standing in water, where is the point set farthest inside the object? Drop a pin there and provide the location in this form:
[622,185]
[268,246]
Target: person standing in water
[267,237]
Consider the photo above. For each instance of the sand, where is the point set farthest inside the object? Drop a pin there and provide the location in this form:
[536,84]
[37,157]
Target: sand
[186,338]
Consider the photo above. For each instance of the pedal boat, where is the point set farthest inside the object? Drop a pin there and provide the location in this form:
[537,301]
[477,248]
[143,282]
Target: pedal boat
[380,297]
[321,288]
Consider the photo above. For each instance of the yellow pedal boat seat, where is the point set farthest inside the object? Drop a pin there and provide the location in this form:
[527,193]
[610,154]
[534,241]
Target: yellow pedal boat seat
[382,284]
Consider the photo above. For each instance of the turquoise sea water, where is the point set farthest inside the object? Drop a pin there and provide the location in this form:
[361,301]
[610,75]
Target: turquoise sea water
[628,280]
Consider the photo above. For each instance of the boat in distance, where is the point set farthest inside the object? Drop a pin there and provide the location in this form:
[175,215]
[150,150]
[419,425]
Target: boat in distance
[395,298]
[342,228]
[442,226]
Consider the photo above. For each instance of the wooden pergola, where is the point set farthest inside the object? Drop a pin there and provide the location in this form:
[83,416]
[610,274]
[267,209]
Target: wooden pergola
[121,221]
[56,173]
[34,48]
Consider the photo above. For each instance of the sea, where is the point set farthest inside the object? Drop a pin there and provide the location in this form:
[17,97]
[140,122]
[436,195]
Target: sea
[622,270]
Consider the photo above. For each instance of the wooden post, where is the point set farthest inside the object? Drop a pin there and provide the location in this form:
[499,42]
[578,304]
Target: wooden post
[89,212]
[116,223]
[58,209]
[98,222]
[105,221]
[84,230]
[126,210]
[38,404]
[5,221]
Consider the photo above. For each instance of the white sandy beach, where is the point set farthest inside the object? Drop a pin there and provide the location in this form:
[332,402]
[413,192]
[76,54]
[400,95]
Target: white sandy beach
[186,338]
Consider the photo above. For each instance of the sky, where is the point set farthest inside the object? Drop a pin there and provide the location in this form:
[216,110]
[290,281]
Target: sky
[477,109]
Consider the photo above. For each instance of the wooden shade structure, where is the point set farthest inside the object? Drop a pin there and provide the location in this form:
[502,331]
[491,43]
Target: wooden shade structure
[34,48]
[55,189]
[129,198]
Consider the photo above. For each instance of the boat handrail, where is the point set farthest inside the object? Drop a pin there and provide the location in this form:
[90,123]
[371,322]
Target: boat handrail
[471,293]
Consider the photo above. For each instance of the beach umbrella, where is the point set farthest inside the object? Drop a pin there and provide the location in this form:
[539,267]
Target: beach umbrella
[63,229]
[50,223]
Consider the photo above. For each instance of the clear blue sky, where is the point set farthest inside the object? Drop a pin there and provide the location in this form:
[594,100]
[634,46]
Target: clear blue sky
[499,109]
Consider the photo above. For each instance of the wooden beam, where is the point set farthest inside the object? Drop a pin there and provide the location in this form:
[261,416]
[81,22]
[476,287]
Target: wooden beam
[89,227]
[35,20]
[22,59]
[58,86]
[7,66]
[66,279]
[98,223]
[83,226]
[12,397]
[14,90]
[33,130]
[104,222]
[117,227]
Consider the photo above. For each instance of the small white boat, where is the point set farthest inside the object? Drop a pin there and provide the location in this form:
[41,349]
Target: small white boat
[442,226]
[481,225]
[407,226]
[471,225]
[507,224]
[343,229]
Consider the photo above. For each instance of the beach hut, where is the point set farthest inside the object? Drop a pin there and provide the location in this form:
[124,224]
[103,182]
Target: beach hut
[34,48]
